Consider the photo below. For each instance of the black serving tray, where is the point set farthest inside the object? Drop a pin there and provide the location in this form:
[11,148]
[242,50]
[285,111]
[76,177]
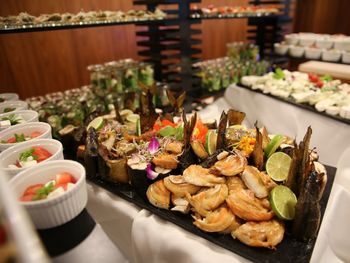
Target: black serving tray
[289,250]
[301,105]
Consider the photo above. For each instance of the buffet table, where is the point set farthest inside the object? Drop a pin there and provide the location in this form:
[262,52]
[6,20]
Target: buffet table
[144,237]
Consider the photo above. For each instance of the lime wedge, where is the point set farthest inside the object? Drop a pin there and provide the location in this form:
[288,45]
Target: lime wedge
[273,145]
[210,141]
[277,166]
[138,127]
[96,123]
[133,118]
[283,202]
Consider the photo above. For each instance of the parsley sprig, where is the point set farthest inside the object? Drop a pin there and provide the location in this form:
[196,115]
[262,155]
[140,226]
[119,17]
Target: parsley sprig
[44,191]
[24,155]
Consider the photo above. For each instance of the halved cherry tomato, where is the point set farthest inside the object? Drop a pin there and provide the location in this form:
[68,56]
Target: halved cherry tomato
[31,190]
[41,154]
[11,140]
[64,178]
[319,84]
[26,198]
[35,134]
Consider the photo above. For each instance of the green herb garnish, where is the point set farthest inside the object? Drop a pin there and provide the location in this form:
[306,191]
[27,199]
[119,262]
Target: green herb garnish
[8,109]
[13,118]
[20,137]
[44,191]
[326,78]
[28,153]
[279,74]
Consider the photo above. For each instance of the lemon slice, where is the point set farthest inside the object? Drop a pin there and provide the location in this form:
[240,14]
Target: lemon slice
[283,202]
[273,145]
[133,118]
[277,166]
[96,123]
[210,141]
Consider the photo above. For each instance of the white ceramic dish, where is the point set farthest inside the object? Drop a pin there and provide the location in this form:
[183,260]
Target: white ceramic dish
[324,43]
[26,115]
[11,155]
[346,57]
[296,51]
[29,248]
[292,39]
[342,43]
[331,55]
[307,40]
[313,53]
[9,96]
[16,104]
[57,210]
[26,129]
[281,49]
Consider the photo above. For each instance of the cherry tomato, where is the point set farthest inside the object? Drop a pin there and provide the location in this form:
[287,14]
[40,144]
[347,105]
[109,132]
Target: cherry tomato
[35,134]
[319,84]
[41,154]
[313,77]
[11,140]
[31,190]
[64,178]
[27,198]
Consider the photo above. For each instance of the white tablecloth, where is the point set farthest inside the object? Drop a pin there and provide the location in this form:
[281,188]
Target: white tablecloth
[144,237]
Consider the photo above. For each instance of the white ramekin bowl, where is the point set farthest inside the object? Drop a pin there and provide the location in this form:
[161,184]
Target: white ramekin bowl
[49,213]
[306,40]
[11,155]
[342,43]
[313,53]
[9,96]
[324,43]
[296,51]
[346,57]
[292,39]
[17,104]
[281,49]
[26,129]
[331,55]
[26,115]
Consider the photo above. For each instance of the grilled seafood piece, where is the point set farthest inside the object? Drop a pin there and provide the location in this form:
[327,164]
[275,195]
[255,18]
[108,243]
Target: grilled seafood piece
[158,195]
[234,225]
[231,165]
[215,221]
[188,157]
[176,103]
[197,175]
[252,179]
[117,170]
[221,138]
[178,186]
[244,204]
[199,149]
[235,183]
[208,199]
[180,204]
[166,161]
[260,234]
[174,147]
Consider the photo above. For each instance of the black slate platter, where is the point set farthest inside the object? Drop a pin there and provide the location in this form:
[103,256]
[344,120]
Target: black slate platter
[301,105]
[289,250]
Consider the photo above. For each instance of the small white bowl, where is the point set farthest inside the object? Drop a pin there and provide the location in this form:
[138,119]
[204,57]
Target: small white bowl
[331,55]
[296,51]
[306,40]
[313,53]
[49,213]
[342,43]
[26,115]
[11,155]
[324,43]
[281,49]
[17,104]
[9,96]
[292,39]
[26,129]
[346,57]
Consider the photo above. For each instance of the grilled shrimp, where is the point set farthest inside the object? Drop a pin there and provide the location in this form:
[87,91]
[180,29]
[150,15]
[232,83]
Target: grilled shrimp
[231,165]
[167,161]
[197,175]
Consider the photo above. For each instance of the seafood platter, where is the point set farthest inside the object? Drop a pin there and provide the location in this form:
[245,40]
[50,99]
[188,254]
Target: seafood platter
[322,94]
[57,20]
[213,11]
[261,196]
